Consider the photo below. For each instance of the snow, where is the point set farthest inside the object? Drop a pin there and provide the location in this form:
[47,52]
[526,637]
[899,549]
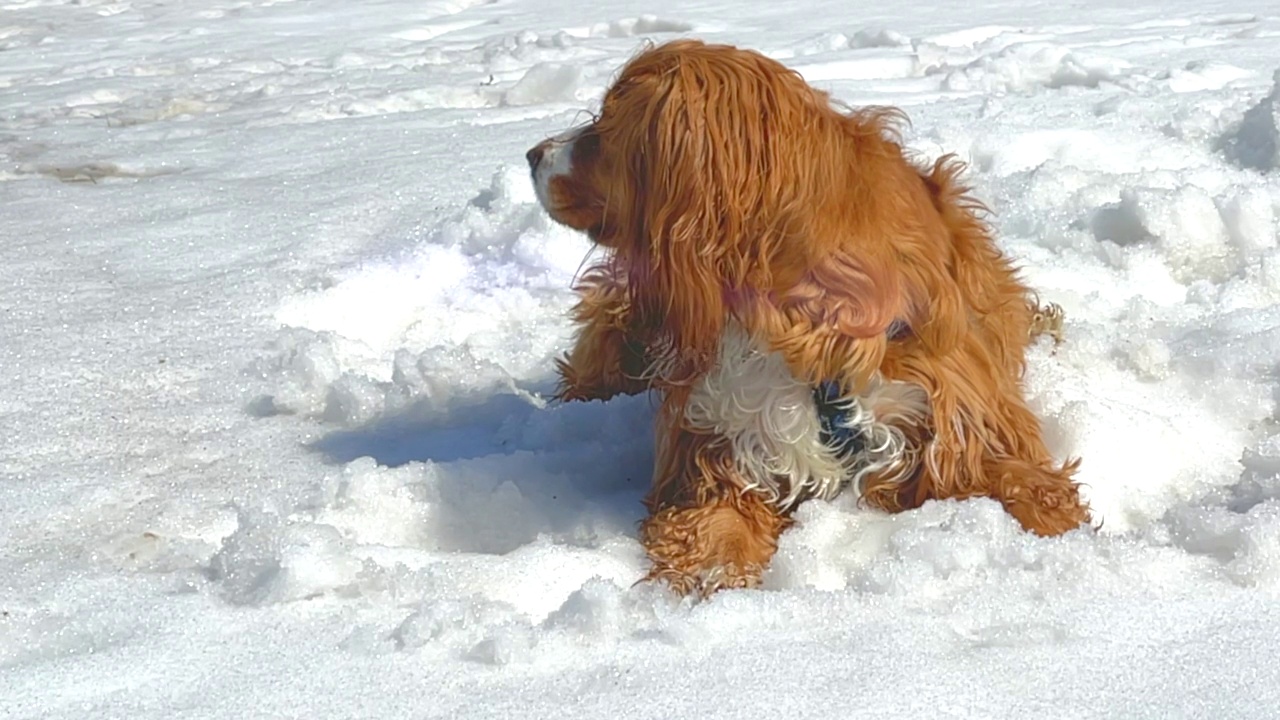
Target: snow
[280,308]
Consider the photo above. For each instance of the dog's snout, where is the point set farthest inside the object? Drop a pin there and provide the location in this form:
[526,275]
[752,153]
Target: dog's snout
[534,156]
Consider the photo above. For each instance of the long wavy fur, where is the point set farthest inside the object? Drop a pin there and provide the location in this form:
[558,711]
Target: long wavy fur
[731,194]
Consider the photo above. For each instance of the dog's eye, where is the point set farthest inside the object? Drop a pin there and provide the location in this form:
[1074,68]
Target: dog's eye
[586,147]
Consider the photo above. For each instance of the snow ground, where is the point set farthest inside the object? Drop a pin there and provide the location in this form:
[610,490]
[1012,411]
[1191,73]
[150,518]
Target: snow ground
[279,308]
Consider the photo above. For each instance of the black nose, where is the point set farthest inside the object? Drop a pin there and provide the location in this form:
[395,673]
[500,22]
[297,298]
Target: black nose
[534,156]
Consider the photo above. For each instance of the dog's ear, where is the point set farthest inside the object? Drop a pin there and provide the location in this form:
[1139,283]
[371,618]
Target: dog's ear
[721,187]
[674,230]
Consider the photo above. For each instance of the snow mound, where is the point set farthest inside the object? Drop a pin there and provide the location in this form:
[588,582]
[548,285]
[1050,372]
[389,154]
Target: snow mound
[547,526]
[438,319]
[544,83]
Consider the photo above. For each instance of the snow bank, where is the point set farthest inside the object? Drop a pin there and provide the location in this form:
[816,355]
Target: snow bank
[460,311]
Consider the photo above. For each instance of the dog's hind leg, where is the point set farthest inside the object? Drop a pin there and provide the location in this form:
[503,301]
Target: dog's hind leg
[1044,499]
[1047,320]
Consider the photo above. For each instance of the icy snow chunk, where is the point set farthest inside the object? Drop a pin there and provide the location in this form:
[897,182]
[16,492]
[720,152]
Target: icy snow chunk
[1269,450]
[354,399]
[1151,432]
[310,381]
[545,83]
[1184,224]
[478,303]
[1028,66]
[1254,144]
[830,544]
[1187,227]
[307,363]
[1257,558]
[1199,75]
[603,613]
[268,561]
[378,505]
[453,623]
[1148,357]
[949,542]
[510,644]
[599,613]
[882,38]
[1247,543]
[595,609]
[834,41]
[643,25]
[1250,219]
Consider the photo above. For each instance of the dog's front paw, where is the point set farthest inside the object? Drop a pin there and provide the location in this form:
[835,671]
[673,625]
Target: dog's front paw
[704,549]
[594,384]
[704,582]
[568,389]
[572,387]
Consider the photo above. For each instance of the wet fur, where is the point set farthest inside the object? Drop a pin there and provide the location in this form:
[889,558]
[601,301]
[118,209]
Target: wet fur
[734,198]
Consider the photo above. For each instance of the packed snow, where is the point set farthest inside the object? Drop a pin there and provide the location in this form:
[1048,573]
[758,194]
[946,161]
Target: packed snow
[279,314]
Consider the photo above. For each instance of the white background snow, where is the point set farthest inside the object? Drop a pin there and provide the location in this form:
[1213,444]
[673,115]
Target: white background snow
[278,310]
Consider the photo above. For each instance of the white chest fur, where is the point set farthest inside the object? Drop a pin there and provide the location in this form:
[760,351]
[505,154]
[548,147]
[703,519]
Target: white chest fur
[770,418]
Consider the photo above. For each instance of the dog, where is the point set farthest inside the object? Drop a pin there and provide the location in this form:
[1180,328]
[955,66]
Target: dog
[815,309]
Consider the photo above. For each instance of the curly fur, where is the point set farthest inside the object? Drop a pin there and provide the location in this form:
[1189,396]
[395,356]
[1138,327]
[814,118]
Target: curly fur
[748,220]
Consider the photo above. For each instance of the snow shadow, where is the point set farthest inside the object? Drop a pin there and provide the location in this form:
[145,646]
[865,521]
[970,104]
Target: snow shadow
[1254,143]
[501,470]
[470,428]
